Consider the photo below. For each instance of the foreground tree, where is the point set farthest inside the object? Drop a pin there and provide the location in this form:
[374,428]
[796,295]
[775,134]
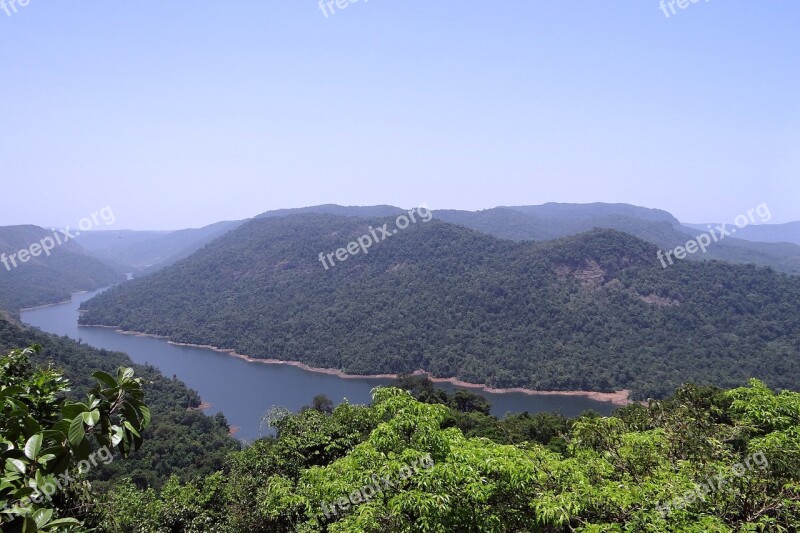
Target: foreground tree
[47,442]
[704,460]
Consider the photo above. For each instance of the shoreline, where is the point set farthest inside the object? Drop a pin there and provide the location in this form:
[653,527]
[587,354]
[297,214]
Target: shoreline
[618,398]
[43,306]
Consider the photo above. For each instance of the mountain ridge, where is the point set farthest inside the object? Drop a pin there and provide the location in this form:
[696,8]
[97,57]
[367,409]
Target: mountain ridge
[508,314]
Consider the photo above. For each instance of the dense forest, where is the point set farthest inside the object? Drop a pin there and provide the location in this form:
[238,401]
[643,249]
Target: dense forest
[596,311]
[702,460]
[46,278]
[180,441]
[772,245]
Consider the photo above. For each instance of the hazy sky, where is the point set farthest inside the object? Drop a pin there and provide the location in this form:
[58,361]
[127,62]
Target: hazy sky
[179,113]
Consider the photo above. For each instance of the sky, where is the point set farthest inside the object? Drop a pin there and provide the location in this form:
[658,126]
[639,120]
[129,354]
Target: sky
[181,113]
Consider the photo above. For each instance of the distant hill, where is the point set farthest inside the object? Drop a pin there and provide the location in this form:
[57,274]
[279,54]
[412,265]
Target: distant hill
[789,232]
[556,220]
[340,210]
[553,221]
[141,252]
[595,311]
[46,279]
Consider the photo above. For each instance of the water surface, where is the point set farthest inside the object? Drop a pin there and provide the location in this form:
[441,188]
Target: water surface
[245,391]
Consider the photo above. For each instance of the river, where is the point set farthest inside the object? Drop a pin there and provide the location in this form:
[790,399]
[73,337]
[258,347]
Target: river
[244,391]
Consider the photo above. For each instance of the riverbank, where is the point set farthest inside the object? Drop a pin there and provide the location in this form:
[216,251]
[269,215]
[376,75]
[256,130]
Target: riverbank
[620,398]
[44,306]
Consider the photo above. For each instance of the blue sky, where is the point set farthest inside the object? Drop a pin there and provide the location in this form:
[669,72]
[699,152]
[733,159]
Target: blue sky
[179,113]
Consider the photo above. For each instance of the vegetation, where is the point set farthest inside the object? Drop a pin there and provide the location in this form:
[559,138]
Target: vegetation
[649,468]
[704,459]
[554,221]
[592,312]
[46,278]
[180,440]
[44,439]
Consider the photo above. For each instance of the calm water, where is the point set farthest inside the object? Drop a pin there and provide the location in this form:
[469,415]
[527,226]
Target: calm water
[245,391]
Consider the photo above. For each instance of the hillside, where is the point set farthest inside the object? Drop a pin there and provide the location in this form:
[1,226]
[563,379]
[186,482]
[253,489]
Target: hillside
[553,221]
[46,279]
[170,446]
[592,312]
[556,220]
[141,252]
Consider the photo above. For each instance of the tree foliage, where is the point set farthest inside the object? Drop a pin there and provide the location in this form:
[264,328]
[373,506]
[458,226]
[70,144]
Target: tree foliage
[43,437]
[591,312]
[645,469]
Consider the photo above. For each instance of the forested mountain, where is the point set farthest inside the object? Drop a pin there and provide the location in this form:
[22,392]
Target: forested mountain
[553,221]
[180,441]
[141,252]
[46,277]
[596,311]
[333,209]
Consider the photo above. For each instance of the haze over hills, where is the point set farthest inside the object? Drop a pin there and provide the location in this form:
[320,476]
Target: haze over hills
[789,232]
[552,221]
[46,277]
[143,252]
[594,311]
[140,252]
[555,220]
[71,267]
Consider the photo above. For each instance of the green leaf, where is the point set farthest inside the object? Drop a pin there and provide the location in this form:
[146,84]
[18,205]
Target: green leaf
[91,418]
[15,465]
[105,379]
[11,391]
[29,525]
[33,446]
[71,410]
[63,522]
[76,431]
[145,416]
[42,517]
[45,458]
[131,428]
[117,437]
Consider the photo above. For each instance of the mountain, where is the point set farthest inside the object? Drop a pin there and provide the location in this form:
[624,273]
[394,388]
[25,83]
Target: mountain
[142,252]
[553,221]
[370,211]
[595,311]
[789,232]
[52,271]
